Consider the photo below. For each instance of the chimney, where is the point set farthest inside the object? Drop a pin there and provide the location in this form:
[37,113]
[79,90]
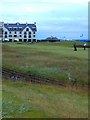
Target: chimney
[7,23]
[17,23]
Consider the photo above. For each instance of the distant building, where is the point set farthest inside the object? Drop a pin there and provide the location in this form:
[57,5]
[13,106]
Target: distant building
[85,40]
[18,32]
[52,39]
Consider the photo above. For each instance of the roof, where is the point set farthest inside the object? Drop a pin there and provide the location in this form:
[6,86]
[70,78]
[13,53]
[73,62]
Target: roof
[52,38]
[19,27]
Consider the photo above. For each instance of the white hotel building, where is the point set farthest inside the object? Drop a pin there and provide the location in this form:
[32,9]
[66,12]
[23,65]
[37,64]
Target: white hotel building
[18,32]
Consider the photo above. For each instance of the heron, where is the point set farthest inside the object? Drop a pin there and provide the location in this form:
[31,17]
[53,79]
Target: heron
[72,80]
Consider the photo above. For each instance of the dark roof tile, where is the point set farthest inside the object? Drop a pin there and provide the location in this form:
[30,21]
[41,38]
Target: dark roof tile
[19,27]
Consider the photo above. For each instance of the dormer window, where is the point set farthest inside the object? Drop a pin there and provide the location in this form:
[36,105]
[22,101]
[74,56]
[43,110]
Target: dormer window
[33,27]
[27,29]
[20,28]
[15,28]
[10,28]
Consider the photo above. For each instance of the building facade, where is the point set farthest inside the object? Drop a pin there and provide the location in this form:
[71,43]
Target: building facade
[1,31]
[19,32]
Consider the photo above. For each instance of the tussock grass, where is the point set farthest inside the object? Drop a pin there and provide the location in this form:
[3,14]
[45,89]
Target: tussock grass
[25,100]
[0,98]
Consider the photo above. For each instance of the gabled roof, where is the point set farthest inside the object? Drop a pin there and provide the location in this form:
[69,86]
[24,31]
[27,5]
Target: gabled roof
[19,27]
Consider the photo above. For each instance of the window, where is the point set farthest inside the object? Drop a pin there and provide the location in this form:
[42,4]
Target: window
[29,40]
[33,35]
[10,35]
[5,32]
[25,33]
[24,36]
[29,36]
[10,32]
[20,28]
[15,28]
[33,32]
[15,35]
[34,40]
[15,32]
[5,36]
[27,29]
[20,40]
[20,32]
[25,40]
[10,40]
[20,36]
[30,33]
[10,28]
[15,40]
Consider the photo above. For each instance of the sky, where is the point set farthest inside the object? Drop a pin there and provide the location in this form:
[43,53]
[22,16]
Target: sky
[64,19]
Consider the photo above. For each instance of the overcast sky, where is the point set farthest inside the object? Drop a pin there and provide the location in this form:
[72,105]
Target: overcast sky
[58,18]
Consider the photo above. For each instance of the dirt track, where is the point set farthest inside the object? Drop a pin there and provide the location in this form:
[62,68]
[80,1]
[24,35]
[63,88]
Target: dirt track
[11,74]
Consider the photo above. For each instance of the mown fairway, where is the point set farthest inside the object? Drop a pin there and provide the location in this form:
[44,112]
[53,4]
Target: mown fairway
[51,60]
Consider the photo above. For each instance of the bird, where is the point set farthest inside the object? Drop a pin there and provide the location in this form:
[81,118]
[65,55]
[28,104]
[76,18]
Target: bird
[72,80]
[13,77]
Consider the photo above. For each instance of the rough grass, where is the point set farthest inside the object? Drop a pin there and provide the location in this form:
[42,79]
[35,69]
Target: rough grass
[52,60]
[0,80]
[0,99]
[25,100]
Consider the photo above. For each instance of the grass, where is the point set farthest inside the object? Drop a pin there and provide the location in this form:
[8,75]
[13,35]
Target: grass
[54,60]
[0,99]
[0,81]
[25,100]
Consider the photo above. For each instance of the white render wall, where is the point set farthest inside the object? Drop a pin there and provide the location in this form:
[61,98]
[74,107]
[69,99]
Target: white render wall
[27,34]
